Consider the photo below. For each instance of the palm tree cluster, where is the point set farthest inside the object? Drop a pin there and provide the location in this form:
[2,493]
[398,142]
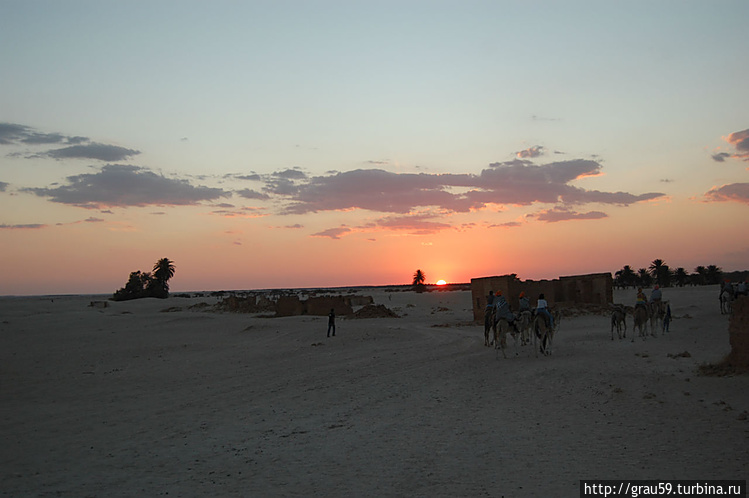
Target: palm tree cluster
[145,284]
[659,273]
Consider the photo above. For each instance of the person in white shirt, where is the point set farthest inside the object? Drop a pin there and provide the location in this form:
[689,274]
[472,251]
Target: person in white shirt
[542,307]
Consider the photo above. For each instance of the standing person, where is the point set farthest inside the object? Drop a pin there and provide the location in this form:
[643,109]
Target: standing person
[331,322]
[667,318]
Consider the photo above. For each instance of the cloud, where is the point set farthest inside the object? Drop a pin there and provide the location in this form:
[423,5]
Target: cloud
[376,190]
[333,233]
[11,133]
[580,196]
[561,214]
[740,140]
[78,147]
[517,182]
[721,156]
[252,194]
[100,152]
[509,224]
[535,151]
[290,174]
[734,192]
[416,224]
[245,212]
[3,186]
[253,177]
[32,226]
[124,185]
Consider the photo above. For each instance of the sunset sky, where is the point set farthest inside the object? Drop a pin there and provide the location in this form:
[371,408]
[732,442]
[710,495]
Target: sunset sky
[277,144]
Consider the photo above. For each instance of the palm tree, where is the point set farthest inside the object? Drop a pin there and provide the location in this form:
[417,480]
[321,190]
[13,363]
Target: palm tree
[714,275]
[644,277]
[626,277]
[681,276]
[419,279]
[657,271]
[163,270]
[700,275]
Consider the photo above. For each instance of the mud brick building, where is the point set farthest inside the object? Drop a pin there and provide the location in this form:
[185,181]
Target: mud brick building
[595,288]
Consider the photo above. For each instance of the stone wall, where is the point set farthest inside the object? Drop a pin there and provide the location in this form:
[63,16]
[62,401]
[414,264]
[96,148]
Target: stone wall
[738,330]
[321,306]
[596,288]
[289,306]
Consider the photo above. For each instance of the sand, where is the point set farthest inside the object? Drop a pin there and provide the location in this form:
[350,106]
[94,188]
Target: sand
[131,400]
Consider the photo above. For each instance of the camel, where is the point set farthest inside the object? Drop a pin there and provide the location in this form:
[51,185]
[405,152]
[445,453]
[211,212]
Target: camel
[501,327]
[618,322]
[544,332]
[524,323]
[657,313]
[726,298]
[641,316]
[489,325]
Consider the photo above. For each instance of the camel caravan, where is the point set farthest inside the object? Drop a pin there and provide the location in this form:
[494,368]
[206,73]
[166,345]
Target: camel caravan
[535,322]
[502,303]
[538,324]
[653,312]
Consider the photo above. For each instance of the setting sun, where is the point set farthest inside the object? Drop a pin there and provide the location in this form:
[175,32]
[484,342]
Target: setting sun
[441,282]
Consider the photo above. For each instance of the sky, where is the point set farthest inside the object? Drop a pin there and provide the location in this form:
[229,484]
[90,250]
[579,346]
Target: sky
[292,144]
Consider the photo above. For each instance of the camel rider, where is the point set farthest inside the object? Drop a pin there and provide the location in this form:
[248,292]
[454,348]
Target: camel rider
[503,310]
[727,287]
[489,301]
[656,296]
[741,289]
[542,308]
[641,299]
[525,304]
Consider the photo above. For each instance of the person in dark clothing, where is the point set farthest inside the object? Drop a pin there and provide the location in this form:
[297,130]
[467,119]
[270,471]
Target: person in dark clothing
[331,322]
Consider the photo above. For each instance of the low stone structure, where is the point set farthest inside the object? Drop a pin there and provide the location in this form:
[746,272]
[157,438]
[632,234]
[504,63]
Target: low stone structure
[738,330]
[595,288]
[293,305]
[321,306]
[289,306]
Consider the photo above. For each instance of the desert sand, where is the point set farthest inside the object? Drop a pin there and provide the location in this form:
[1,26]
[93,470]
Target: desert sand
[133,400]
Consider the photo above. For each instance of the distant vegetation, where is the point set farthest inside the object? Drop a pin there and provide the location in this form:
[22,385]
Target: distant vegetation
[659,273]
[144,284]
[418,282]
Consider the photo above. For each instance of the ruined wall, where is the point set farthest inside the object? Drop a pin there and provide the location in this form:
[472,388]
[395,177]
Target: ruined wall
[289,306]
[321,306]
[738,330]
[596,288]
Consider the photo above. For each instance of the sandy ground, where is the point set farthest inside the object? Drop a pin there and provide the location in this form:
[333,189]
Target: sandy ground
[134,401]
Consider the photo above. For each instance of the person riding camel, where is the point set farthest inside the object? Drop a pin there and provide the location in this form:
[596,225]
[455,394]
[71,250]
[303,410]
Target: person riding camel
[542,308]
[656,296]
[641,299]
[490,299]
[525,304]
[741,290]
[503,311]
